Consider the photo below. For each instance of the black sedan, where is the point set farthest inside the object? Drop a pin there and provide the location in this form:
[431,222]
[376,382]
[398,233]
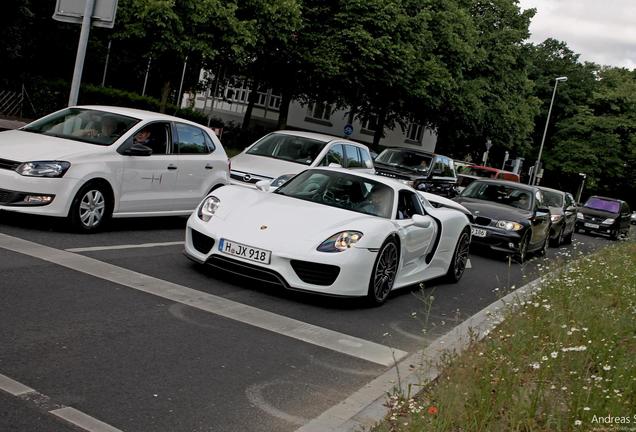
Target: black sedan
[563,215]
[508,217]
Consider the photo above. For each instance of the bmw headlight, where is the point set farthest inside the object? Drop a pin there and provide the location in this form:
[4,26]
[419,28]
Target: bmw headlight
[279,181]
[407,182]
[340,242]
[608,221]
[43,168]
[580,216]
[208,207]
[556,218]
[508,225]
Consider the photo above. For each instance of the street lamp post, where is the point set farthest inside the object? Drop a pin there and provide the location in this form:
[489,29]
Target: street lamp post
[545,131]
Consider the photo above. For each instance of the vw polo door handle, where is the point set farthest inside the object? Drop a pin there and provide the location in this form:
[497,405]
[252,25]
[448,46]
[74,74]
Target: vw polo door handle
[209,166]
[172,167]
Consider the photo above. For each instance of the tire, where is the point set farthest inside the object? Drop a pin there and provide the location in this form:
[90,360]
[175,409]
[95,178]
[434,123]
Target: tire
[544,248]
[91,208]
[522,253]
[614,234]
[384,272]
[568,238]
[460,258]
[558,241]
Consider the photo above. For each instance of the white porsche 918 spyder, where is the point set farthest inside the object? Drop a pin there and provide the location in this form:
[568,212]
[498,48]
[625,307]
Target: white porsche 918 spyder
[333,232]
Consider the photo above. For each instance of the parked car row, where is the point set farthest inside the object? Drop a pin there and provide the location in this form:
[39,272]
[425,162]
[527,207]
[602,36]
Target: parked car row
[307,211]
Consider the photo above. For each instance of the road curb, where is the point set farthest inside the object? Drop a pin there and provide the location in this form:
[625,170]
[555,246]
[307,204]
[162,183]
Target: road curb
[366,407]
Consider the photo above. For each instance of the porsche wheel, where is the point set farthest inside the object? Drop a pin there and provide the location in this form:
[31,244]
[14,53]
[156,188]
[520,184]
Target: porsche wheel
[384,272]
[460,258]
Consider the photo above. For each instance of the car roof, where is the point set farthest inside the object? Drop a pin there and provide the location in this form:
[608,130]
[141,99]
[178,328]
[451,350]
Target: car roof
[318,137]
[547,189]
[507,183]
[606,198]
[136,113]
[414,150]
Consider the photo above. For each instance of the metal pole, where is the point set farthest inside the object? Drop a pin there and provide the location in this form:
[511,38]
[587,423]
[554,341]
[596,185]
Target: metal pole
[580,192]
[185,63]
[106,63]
[81,52]
[545,131]
[143,92]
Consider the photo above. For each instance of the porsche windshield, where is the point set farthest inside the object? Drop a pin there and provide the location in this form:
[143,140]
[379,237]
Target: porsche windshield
[412,161]
[341,190]
[86,125]
[499,193]
[288,147]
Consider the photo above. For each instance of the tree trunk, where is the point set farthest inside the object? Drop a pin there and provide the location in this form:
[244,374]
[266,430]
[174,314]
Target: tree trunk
[379,129]
[165,92]
[250,104]
[283,112]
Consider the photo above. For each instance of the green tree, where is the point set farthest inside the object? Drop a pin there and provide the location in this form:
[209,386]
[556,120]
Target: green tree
[600,138]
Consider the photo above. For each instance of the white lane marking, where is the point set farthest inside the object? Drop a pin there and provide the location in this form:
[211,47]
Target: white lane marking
[82,420]
[76,417]
[321,337]
[128,246]
[13,387]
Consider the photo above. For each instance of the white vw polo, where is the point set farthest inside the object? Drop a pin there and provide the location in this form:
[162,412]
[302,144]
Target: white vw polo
[89,163]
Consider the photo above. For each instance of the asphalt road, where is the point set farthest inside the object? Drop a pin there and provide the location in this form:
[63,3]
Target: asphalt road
[138,359]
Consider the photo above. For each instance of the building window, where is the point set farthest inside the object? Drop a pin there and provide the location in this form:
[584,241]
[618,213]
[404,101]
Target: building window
[369,126]
[414,132]
[319,111]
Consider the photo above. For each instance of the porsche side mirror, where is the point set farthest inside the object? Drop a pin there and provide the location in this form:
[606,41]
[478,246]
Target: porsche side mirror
[263,185]
[422,221]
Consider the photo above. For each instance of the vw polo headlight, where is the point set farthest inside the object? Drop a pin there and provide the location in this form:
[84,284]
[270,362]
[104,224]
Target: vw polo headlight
[208,207]
[52,169]
[508,225]
[340,242]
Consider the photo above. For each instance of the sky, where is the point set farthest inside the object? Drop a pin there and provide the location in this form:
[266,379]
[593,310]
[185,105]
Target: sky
[601,31]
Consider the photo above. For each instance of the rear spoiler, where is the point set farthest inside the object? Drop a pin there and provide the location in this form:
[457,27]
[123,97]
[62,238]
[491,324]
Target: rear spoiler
[440,201]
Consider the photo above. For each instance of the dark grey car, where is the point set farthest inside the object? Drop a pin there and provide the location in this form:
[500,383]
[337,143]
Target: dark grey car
[563,214]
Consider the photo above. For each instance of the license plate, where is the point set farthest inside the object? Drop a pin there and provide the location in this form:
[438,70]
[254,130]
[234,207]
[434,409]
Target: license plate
[478,232]
[244,251]
[590,225]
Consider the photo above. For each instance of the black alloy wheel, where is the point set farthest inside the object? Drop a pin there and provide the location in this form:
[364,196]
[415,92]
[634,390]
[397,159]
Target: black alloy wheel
[384,272]
[460,258]
[522,251]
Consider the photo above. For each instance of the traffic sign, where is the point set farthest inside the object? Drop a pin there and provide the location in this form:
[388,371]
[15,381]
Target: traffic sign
[348,129]
[73,11]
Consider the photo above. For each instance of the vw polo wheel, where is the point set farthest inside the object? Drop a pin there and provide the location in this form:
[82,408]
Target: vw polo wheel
[91,208]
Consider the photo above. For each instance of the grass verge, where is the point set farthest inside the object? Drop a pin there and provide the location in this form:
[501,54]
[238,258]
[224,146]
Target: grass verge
[563,360]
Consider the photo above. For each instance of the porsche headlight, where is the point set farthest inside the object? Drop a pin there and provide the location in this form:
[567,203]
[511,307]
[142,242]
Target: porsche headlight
[556,218]
[208,207]
[508,225]
[43,168]
[608,221]
[340,242]
[279,181]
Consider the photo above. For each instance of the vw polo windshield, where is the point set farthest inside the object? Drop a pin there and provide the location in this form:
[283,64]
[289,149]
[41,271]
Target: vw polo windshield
[86,125]
[288,147]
